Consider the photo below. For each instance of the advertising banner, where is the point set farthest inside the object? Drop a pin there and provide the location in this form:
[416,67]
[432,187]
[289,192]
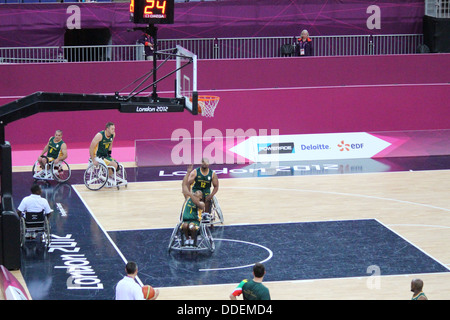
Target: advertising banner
[273,148]
[310,147]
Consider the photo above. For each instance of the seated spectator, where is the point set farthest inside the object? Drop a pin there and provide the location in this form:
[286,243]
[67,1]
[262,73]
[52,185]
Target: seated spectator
[34,202]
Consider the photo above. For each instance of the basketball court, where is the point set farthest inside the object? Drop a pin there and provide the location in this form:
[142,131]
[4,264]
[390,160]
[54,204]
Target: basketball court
[356,228]
[321,235]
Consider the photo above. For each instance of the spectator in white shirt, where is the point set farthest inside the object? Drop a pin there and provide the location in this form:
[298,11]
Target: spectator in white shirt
[128,288]
[34,202]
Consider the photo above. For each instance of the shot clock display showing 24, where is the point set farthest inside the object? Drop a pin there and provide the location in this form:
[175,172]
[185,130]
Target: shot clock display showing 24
[152,11]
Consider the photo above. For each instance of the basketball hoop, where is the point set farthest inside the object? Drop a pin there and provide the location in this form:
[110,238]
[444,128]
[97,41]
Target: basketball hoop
[207,105]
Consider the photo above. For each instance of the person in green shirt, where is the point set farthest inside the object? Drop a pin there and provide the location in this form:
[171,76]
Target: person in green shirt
[416,288]
[101,147]
[192,210]
[253,289]
[55,150]
[202,179]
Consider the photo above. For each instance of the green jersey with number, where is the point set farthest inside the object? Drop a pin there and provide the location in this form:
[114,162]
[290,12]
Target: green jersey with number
[103,145]
[203,182]
[191,213]
[54,149]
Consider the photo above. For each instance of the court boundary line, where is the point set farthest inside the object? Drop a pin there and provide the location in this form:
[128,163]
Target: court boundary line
[306,222]
[312,280]
[331,278]
[286,176]
[121,255]
[348,195]
[415,246]
[306,191]
[296,190]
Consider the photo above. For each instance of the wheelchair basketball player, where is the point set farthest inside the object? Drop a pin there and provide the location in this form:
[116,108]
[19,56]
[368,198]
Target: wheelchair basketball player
[192,210]
[202,179]
[101,147]
[55,150]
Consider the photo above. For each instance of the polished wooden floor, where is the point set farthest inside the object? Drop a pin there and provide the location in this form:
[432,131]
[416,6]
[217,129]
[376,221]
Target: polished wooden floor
[415,205]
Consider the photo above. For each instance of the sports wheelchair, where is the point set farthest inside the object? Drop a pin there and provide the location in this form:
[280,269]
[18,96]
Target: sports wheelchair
[216,215]
[60,172]
[204,241]
[96,177]
[33,223]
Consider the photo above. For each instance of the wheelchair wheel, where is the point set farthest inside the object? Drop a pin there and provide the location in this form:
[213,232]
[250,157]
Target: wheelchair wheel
[61,171]
[175,237]
[216,208]
[122,173]
[36,168]
[121,176]
[209,241]
[95,177]
[38,172]
[46,235]
[23,230]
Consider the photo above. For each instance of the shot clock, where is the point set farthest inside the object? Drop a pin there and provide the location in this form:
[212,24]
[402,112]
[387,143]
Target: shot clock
[152,11]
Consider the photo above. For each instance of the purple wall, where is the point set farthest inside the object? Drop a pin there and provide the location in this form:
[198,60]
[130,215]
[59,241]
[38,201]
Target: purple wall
[108,77]
[339,94]
[45,24]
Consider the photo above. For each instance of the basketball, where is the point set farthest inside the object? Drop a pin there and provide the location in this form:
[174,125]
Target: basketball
[148,292]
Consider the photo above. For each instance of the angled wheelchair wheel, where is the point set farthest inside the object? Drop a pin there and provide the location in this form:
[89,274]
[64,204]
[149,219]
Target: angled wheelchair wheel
[38,172]
[46,235]
[207,238]
[176,240]
[23,231]
[61,171]
[36,169]
[95,177]
[216,210]
[121,177]
[122,173]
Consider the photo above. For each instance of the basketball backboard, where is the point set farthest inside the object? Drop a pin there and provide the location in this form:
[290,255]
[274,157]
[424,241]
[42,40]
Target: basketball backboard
[186,78]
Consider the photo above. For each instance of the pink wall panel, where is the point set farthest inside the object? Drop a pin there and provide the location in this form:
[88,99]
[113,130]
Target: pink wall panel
[294,95]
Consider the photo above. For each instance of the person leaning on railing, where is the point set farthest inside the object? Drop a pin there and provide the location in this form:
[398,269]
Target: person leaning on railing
[148,43]
[304,45]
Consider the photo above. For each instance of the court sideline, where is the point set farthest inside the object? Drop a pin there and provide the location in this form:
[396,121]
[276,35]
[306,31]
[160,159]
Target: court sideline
[414,205]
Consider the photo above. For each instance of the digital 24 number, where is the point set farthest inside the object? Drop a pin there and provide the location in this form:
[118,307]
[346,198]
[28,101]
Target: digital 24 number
[152,4]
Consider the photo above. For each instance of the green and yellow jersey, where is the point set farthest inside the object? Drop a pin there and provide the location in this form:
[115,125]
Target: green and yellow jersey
[54,149]
[103,145]
[252,290]
[203,182]
[420,294]
[191,213]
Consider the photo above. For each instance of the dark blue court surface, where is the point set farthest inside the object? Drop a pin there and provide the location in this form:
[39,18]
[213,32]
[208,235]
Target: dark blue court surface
[297,251]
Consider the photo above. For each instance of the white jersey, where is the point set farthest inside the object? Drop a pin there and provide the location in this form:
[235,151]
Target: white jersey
[34,203]
[128,289]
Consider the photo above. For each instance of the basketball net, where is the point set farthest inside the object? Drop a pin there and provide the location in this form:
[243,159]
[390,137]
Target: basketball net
[207,105]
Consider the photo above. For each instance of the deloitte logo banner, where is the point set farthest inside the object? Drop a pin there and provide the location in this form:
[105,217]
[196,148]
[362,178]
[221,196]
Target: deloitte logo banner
[354,145]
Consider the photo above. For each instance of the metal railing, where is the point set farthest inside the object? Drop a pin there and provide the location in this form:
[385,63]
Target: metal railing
[220,48]
[270,47]
[71,54]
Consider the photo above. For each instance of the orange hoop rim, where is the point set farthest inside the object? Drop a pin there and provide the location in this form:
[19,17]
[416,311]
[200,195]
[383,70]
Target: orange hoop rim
[208,98]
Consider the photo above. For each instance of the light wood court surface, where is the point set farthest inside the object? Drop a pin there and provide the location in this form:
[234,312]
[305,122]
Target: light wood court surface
[415,205]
